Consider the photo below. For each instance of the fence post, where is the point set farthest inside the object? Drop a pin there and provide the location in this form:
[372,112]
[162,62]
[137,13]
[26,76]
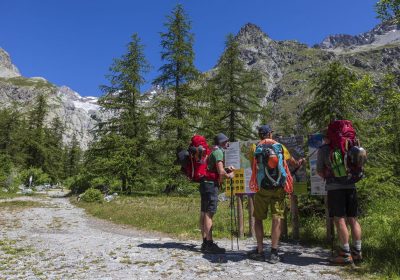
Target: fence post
[250,200]
[240,215]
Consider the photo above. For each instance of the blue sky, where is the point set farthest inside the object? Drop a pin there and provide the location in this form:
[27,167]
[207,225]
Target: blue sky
[73,42]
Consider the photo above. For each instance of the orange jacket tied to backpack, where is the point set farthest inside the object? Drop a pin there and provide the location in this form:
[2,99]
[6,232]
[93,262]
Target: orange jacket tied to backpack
[253,185]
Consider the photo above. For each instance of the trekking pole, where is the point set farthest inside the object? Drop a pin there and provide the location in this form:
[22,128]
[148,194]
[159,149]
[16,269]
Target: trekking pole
[237,228]
[236,224]
[231,204]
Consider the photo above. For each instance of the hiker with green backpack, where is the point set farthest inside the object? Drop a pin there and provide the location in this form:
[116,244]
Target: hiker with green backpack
[340,162]
[271,180]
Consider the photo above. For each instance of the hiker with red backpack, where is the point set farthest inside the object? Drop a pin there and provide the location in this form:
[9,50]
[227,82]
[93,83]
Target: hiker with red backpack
[340,162]
[271,179]
[209,192]
[206,166]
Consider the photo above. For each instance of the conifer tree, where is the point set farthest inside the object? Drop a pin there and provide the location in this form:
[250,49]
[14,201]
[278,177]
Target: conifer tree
[54,150]
[123,137]
[388,122]
[235,95]
[330,96]
[36,133]
[177,74]
[338,94]
[73,157]
[388,10]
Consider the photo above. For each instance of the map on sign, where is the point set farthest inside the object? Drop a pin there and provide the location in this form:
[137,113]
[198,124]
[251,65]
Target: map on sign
[238,183]
[232,155]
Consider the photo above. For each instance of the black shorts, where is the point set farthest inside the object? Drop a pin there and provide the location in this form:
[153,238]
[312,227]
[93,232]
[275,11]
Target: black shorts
[209,196]
[343,203]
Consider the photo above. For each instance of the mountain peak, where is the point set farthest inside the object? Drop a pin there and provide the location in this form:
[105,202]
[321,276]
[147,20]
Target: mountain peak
[251,30]
[7,69]
[251,34]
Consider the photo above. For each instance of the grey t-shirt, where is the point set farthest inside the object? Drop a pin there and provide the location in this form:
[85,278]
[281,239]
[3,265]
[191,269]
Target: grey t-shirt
[323,164]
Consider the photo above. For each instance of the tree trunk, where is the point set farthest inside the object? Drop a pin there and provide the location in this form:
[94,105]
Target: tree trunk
[240,216]
[123,182]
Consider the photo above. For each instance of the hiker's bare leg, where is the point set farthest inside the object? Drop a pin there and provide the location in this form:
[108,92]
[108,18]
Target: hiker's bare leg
[275,232]
[203,232]
[341,227]
[259,229]
[355,228]
[208,225]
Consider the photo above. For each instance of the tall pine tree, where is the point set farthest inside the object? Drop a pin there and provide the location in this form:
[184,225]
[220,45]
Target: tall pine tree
[36,133]
[124,137]
[176,75]
[236,95]
[388,10]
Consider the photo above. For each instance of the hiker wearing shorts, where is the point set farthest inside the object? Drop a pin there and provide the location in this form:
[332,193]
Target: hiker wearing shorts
[269,199]
[342,207]
[209,193]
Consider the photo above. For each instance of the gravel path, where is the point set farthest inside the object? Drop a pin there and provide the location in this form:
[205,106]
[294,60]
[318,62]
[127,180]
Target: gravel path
[59,241]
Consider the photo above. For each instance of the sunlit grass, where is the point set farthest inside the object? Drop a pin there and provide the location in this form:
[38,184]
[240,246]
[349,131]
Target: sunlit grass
[176,216]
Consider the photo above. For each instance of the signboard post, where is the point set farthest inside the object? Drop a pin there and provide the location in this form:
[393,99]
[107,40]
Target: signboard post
[232,158]
[315,141]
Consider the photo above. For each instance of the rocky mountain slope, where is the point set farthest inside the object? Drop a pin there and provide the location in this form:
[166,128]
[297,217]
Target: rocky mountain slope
[288,68]
[381,35]
[78,114]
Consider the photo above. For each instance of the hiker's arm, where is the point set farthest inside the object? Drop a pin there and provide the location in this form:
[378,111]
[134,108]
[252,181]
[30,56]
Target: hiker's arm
[221,171]
[291,160]
[295,163]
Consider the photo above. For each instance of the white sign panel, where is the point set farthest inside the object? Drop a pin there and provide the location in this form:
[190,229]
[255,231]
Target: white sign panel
[232,155]
[317,183]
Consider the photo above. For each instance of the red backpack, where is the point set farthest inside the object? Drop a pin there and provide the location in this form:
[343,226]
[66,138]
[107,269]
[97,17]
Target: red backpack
[196,158]
[342,135]
[346,155]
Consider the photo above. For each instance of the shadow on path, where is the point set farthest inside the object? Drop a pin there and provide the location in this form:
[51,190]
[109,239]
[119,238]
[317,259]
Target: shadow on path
[297,258]
[233,256]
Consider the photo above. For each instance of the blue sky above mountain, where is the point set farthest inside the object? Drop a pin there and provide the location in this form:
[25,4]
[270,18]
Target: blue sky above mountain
[72,42]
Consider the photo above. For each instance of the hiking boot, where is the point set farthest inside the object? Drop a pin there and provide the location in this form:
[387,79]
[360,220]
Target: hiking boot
[274,257]
[203,246]
[356,255]
[212,248]
[256,256]
[342,258]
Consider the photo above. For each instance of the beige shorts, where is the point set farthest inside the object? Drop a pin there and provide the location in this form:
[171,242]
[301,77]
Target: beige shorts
[265,200]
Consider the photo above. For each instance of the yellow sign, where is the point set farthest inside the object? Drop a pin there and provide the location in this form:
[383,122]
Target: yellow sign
[238,183]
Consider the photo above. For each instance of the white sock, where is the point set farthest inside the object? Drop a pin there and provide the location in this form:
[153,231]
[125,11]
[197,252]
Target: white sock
[346,247]
[357,245]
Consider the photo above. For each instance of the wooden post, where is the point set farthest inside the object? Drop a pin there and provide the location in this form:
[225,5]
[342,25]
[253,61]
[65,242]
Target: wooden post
[240,215]
[330,227]
[294,210]
[250,200]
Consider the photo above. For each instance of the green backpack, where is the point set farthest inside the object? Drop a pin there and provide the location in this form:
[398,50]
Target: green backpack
[338,165]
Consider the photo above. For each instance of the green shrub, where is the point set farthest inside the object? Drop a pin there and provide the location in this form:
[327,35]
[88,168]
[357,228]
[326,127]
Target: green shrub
[92,195]
[78,184]
[38,176]
[5,170]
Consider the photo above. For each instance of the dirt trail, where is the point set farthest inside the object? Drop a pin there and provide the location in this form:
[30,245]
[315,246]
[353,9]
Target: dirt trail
[59,241]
